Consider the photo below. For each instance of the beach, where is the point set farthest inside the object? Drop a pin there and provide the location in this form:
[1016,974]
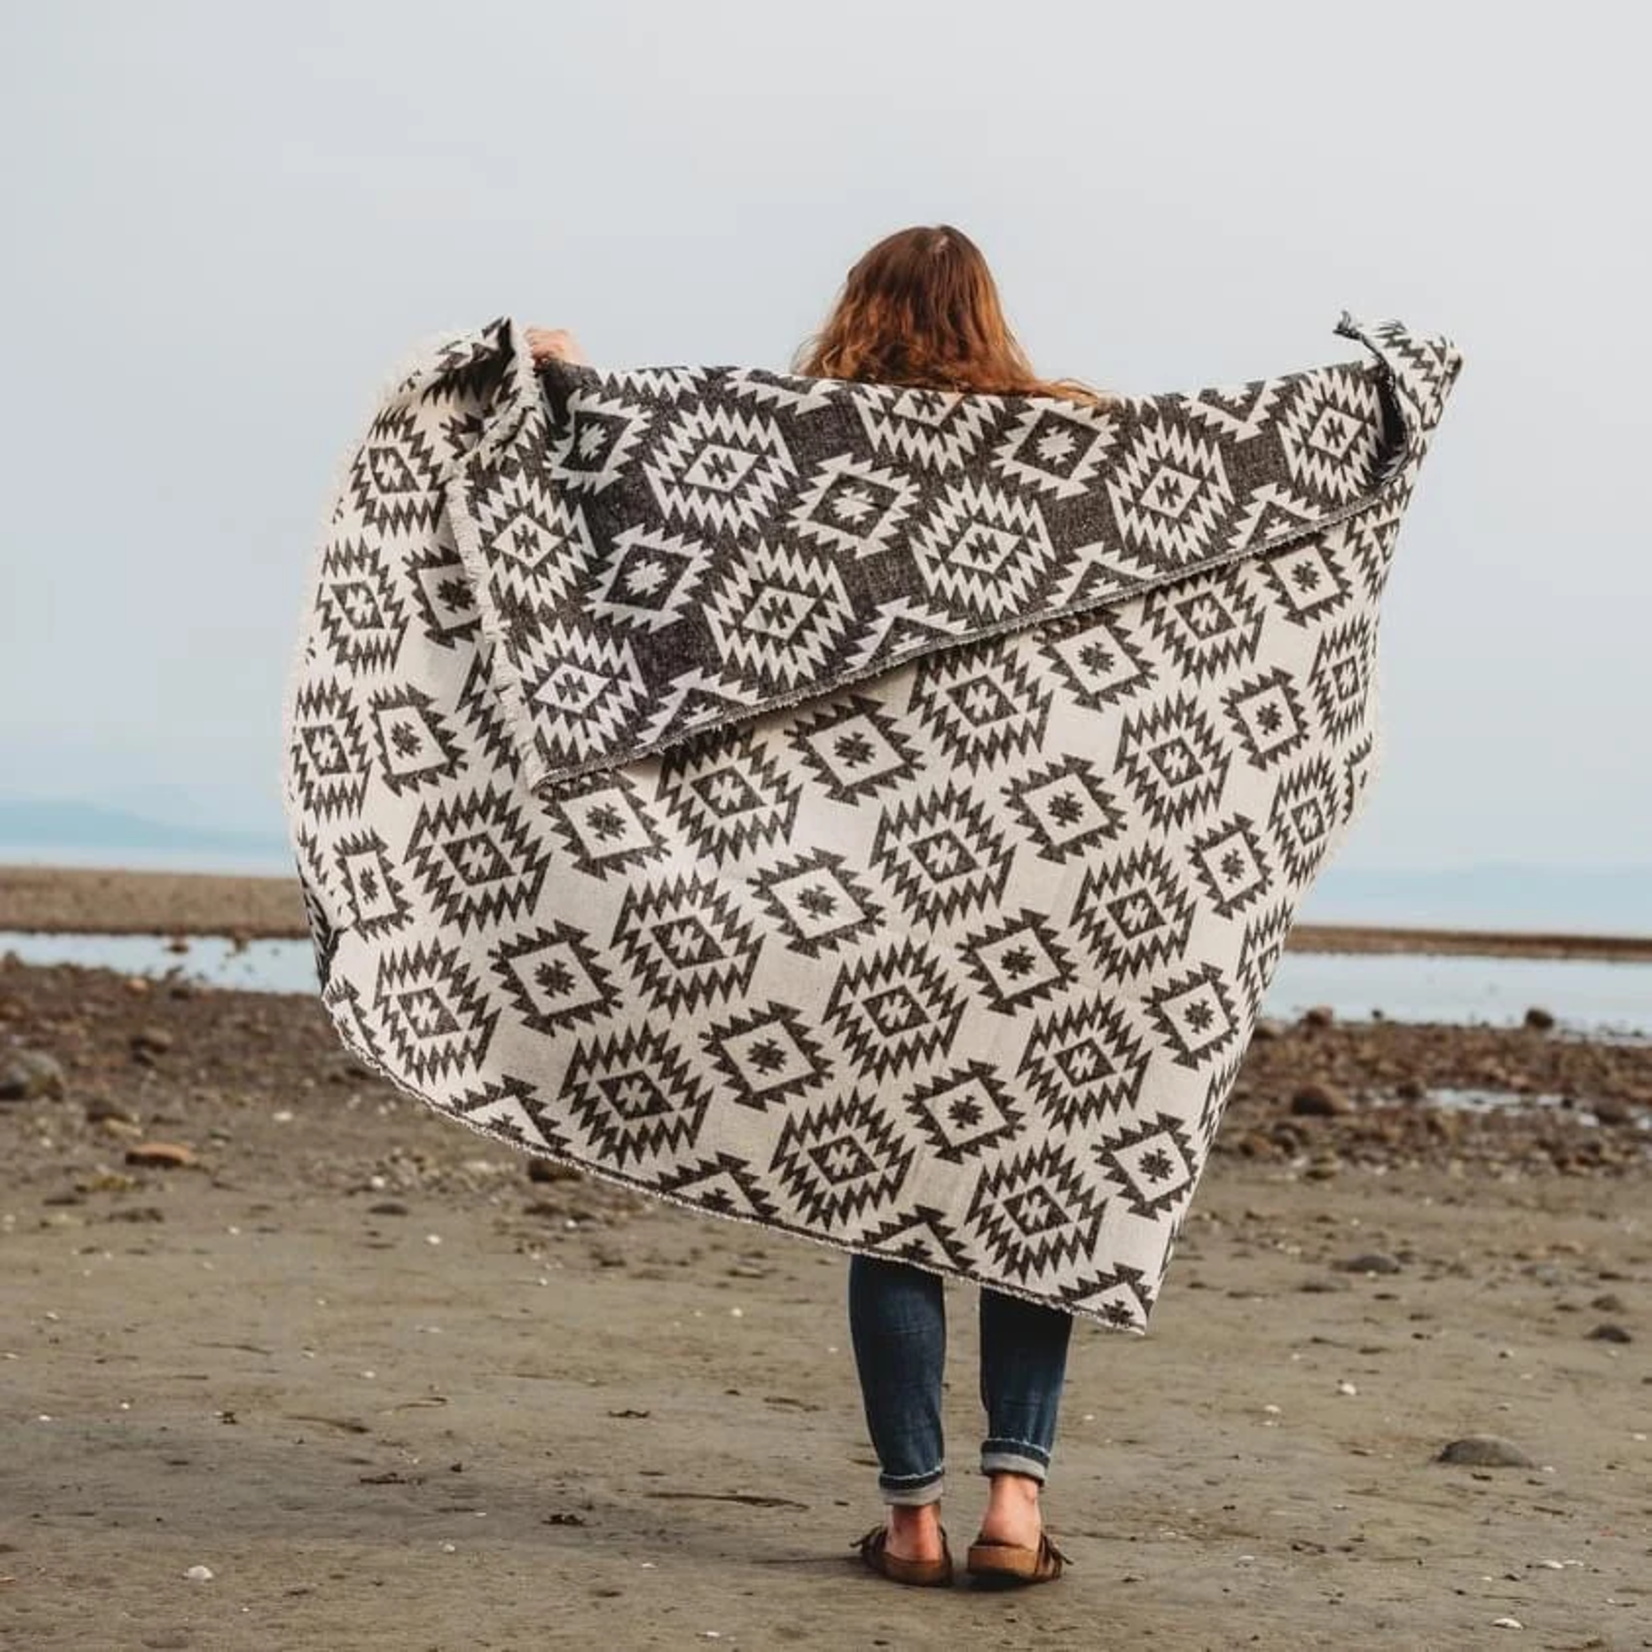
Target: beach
[395,1385]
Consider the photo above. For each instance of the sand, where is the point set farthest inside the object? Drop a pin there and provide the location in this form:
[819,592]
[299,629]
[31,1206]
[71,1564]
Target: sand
[396,1394]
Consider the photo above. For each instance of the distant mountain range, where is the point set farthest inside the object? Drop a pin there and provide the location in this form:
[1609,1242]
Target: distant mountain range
[41,827]
[1492,895]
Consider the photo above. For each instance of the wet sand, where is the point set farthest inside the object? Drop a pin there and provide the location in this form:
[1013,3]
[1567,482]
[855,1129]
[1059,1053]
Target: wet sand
[395,1393]
[115,901]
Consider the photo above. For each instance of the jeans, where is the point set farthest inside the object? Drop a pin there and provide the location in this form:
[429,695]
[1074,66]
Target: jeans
[897,1319]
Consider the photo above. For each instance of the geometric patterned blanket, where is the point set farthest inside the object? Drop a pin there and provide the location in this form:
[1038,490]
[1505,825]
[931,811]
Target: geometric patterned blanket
[868,812]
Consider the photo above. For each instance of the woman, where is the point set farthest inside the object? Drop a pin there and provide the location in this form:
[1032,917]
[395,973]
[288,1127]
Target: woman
[921,309]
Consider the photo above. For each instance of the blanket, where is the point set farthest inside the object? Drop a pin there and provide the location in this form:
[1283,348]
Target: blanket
[868,812]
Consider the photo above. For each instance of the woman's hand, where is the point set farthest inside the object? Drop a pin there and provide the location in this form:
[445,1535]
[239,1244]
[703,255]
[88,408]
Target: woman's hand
[554,344]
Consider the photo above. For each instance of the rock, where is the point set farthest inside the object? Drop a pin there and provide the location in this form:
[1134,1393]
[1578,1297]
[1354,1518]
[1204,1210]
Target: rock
[1411,1088]
[100,1108]
[550,1170]
[178,943]
[1484,1451]
[1265,1030]
[1371,1261]
[29,1074]
[1539,1019]
[1608,1302]
[1609,1110]
[1320,1015]
[160,1154]
[150,1041]
[1610,1332]
[1316,1100]
[1322,1167]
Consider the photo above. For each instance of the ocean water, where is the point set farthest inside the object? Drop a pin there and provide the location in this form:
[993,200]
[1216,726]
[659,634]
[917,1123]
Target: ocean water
[1612,1000]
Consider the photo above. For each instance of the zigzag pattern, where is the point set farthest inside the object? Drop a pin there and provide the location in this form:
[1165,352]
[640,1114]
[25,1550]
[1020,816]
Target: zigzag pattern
[872,813]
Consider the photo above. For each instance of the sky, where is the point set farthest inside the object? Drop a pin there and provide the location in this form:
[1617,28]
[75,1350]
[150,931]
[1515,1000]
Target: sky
[225,224]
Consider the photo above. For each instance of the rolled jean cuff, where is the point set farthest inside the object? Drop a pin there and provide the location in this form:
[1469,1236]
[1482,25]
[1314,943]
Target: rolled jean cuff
[913,1489]
[999,1456]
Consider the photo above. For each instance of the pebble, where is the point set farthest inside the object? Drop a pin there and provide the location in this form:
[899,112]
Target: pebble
[1369,1261]
[1507,1623]
[30,1074]
[1484,1451]
[1610,1333]
[1539,1019]
[1317,1100]
[1320,1015]
[160,1154]
[199,1574]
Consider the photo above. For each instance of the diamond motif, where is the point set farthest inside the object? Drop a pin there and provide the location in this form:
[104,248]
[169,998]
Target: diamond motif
[1195,1014]
[780,618]
[394,482]
[1303,816]
[431,1012]
[554,978]
[1037,1213]
[327,756]
[1065,808]
[727,794]
[648,581]
[1097,660]
[1266,713]
[415,747]
[1232,865]
[941,855]
[1173,761]
[964,1111]
[842,1163]
[1341,676]
[1153,1162]
[980,703]
[377,902]
[1017,962]
[358,610]
[1306,581]
[854,748]
[982,552]
[685,942]
[477,858]
[1331,433]
[894,1010]
[767,1057]
[605,824]
[1209,624]
[818,906]
[1134,911]
[592,441]
[719,468]
[1171,497]
[1084,1063]
[1056,448]
[853,506]
[634,1098]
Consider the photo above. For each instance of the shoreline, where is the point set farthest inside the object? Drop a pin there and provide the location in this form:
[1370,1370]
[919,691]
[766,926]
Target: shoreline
[85,900]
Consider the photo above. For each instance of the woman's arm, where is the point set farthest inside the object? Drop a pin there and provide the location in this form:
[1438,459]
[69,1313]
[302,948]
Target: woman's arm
[555,344]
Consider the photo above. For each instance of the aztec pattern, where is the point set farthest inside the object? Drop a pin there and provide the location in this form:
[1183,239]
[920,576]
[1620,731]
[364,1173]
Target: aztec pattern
[873,813]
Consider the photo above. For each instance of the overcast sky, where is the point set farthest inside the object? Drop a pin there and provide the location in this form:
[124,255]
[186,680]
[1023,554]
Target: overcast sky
[225,223]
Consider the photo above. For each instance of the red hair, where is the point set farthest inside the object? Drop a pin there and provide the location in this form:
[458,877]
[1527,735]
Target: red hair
[921,308]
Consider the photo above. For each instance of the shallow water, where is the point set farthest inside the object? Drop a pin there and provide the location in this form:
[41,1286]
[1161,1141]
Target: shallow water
[1612,1000]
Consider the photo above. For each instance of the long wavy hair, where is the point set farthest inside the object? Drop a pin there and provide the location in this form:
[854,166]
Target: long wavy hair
[921,308]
